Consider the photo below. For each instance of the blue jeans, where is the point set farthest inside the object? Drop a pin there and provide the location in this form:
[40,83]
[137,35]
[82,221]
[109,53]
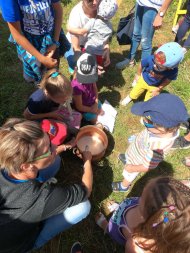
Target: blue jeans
[143,31]
[183,28]
[61,222]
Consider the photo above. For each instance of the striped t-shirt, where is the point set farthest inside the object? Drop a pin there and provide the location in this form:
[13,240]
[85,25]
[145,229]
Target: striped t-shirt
[148,149]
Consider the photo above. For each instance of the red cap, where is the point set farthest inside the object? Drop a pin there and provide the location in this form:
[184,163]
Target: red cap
[57,131]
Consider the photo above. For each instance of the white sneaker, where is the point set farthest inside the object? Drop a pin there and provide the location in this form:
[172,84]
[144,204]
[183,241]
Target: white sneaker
[125,63]
[126,101]
[134,83]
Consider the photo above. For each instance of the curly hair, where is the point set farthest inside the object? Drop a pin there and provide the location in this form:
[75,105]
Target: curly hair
[174,235]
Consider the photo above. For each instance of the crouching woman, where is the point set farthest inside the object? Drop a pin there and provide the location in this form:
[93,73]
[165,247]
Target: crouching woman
[32,212]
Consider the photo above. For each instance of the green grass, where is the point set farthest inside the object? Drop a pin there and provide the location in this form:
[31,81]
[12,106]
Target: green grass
[113,86]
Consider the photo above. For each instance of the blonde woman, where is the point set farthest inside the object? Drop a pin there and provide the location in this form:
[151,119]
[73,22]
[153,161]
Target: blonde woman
[32,212]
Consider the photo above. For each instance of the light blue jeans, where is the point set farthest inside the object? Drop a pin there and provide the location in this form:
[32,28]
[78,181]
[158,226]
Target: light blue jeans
[62,222]
[143,31]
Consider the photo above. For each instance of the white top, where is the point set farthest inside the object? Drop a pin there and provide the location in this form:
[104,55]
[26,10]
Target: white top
[156,4]
[78,19]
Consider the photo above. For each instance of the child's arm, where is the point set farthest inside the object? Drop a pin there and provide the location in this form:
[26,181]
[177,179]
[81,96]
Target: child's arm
[58,13]
[51,115]
[138,74]
[77,31]
[158,89]
[16,32]
[83,108]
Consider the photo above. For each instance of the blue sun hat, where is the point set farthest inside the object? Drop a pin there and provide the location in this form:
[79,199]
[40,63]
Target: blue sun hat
[173,52]
[166,109]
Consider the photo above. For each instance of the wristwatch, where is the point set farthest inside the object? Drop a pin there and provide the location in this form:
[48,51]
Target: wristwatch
[56,43]
[161,13]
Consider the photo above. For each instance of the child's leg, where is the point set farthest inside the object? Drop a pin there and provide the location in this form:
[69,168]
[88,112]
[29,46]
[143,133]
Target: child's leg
[129,177]
[149,92]
[139,88]
[92,117]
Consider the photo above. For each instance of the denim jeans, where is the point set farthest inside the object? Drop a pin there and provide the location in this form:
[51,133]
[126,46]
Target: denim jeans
[143,31]
[61,222]
[183,28]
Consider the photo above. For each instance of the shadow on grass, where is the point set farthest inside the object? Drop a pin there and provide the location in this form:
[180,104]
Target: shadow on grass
[164,169]
[111,95]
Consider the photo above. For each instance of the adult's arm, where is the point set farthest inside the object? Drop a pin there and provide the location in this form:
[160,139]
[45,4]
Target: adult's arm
[15,29]
[158,20]
[61,197]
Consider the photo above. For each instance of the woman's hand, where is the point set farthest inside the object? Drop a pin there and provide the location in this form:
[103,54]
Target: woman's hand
[157,21]
[86,156]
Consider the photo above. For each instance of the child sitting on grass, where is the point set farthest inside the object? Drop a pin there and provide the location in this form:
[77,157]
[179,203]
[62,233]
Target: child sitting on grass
[157,222]
[162,116]
[156,71]
[98,29]
[55,89]
[85,92]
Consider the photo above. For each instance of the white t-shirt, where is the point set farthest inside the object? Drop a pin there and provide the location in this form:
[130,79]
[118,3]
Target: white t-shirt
[156,4]
[78,19]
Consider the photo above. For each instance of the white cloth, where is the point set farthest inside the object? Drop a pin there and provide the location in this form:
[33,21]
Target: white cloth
[77,19]
[156,4]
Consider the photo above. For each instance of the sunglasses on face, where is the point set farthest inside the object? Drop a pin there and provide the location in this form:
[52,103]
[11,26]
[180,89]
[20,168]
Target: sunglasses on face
[45,155]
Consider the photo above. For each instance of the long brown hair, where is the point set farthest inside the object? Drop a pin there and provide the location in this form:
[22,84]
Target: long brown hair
[166,237]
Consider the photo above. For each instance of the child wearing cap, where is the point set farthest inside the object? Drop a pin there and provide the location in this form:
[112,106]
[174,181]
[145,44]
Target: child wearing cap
[162,116]
[156,71]
[98,29]
[85,92]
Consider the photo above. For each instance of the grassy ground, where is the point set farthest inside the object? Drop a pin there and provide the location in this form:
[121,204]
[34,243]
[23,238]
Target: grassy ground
[113,86]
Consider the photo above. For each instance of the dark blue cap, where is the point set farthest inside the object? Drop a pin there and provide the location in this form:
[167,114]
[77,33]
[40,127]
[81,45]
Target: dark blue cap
[165,109]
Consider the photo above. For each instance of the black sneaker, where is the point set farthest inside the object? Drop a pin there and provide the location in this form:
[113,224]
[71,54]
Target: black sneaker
[76,248]
[122,158]
[181,143]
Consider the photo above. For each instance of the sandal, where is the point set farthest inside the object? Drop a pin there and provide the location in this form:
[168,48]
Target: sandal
[116,186]
[186,161]
[100,219]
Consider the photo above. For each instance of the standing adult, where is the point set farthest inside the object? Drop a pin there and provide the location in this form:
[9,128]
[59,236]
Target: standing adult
[31,212]
[79,16]
[183,28]
[148,17]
